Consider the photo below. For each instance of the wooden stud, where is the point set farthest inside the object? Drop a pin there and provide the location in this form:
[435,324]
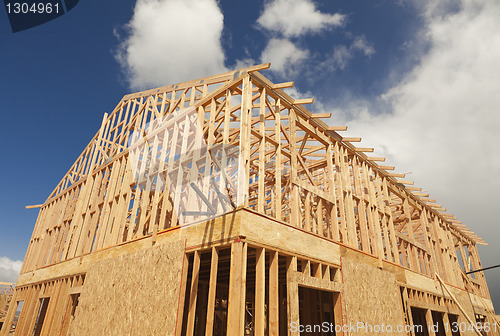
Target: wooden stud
[273,294]
[193,294]
[260,292]
[212,287]
[237,288]
[292,294]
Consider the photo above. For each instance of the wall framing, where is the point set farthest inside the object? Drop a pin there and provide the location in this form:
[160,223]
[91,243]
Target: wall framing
[312,211]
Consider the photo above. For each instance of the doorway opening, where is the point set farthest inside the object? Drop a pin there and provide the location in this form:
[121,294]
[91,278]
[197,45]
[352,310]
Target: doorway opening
[317,311]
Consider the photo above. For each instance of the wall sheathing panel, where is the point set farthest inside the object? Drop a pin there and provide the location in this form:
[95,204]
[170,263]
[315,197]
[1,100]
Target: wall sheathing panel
[136,294]
[371,296]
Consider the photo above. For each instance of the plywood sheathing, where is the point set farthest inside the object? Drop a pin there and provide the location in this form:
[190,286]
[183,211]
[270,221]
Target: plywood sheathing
[136,294]
[370,295]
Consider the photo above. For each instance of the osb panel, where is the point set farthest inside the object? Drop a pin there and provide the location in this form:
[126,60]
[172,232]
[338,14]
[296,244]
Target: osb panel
[82,264]
[424,283]
[481,302]
[371,296]
[220,229]
[134,294]
[262,229]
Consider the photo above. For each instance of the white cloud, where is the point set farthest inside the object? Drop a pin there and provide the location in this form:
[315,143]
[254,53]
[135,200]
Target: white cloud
[293,18]
[342,55]
[444,115]
[283,55]
[171,41]
[443,118]
[9,269]
[244,63]
[361,44]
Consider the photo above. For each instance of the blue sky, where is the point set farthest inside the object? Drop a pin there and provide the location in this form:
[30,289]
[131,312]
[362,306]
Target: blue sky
[417,79]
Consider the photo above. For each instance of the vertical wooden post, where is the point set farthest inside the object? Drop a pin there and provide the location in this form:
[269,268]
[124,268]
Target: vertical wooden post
[237,289]
[260,291]
[227,118]
[374,223]
[385,206]
[340,193]
[277,131]
[211,123]
[409,226]
[212,292]
[319,217]
[307,212]
[262,152]
[245,125]
[361,205]
[425,226]
[292,295]
[273,294]
[383,223]
[333,225]
[352,237]
[243,288]
[439,255]
[193,294]
[451,255]
[182,295]
[294,197]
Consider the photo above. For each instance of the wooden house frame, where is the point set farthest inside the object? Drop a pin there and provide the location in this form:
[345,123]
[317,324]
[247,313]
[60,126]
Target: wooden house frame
[311,229]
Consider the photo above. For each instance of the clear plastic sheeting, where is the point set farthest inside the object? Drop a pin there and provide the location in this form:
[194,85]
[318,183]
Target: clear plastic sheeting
[171,156]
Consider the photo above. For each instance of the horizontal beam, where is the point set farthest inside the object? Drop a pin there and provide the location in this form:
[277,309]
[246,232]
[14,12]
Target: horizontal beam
[364,149]
[351,139]
[34,206]
[336,128]
[283,85]
[304,101]
[376,158]
[396,175]
[321,115]
[387,167]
